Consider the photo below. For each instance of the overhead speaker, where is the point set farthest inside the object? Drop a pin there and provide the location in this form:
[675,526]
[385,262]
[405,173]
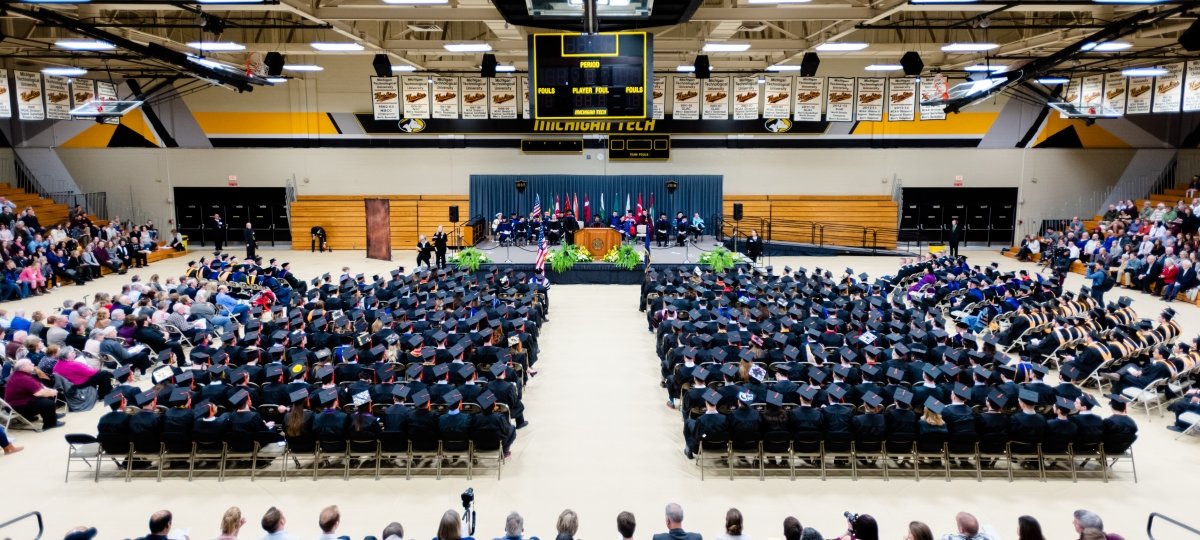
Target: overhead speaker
[1190,38]
[703,68]
[454,214]
[274,63]
[737,211]
[809,64]
[912,64]
[487,68]
[382,65]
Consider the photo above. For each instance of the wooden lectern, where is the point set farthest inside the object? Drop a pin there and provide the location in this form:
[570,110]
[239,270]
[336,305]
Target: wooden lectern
[598,240]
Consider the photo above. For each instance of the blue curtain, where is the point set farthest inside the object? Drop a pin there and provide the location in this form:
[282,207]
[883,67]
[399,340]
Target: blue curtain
[497,193]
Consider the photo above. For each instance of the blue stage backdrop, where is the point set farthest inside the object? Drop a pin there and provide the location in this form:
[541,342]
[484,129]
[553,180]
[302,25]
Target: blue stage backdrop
[496,193]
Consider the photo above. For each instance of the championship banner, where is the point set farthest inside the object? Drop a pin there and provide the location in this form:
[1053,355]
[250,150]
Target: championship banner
[504,97]
[779,97]
[686,105]
[1093,90]
[385,98]
[841,100]
[659,98]
[106,91]
[524,84]
[1114,91]
[1071,95]
[1168,89]
[445,97]
[745,98]
[58,98]
[933,87]
[83,91]
[870,99]
[902,99]
[1140,93]
[1191,89]
[5,95]
[810,94]
[416,96]
[474,98]
[29,95]
[716,98]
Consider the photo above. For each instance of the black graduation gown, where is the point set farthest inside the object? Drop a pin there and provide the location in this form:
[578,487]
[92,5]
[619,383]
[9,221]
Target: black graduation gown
[1027,428]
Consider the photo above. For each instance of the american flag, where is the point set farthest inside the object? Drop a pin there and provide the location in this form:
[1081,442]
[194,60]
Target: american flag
[543,247]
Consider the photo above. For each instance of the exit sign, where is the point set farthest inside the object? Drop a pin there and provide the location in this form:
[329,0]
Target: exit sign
[958,181]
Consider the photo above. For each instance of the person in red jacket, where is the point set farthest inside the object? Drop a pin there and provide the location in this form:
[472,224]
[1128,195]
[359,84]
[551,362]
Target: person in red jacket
[1169,272]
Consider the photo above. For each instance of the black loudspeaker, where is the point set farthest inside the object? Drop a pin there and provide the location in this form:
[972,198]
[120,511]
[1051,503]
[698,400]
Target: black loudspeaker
[1190,38]
[454,214]
[912,64]
[703,68]
[382,65]
[274,63]
[737,211]
[808,64]
[487,68]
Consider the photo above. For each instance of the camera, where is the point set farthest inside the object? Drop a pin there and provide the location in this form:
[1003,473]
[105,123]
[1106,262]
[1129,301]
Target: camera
[468,497]
[850,517]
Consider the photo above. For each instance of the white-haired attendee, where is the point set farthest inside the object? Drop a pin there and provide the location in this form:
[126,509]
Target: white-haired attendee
[115,346]
[26,394]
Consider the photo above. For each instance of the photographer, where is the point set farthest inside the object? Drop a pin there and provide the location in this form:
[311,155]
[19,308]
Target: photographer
[860,527]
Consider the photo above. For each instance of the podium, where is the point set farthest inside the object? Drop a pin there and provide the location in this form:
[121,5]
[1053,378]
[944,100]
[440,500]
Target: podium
[598,240]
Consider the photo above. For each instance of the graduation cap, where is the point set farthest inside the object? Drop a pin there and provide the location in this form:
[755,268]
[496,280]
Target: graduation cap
[401,391]
[712,396]
[420,398]
[963,391]
[114,397]
[327,396]
[729,370]
[871,369]
[895,374]
[440,370]
[841,370]
[982,372]
[872,399]
[486,399]
[934,405]
[1088,401]
[950,369]
[1124,301]
[498,368]
[1065,404]
[808,392]
[273,370]
[324,372]
[238,397]
[1028,396]
[162,374]
[384,371]
[837,391]
[415,341]
[901,348]
[700,373]
[774,398]
[931,371]
[719,355]
[361,398]
[1116,398]
[903,395]
[816,375]
[791,352]
[298,395]
[466,370]
[998,398]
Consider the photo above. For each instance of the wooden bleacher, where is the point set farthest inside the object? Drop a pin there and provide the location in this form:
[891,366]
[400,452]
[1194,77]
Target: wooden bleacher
[344,219]
[877,211]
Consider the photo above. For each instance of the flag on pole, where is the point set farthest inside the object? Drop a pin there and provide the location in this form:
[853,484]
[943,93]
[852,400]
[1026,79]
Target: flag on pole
[639,206]
[651,205]
[628,206]
[537,209]
[556,207]
[587,210]
[543,248]
[603,210]
[575,206]
[647,239]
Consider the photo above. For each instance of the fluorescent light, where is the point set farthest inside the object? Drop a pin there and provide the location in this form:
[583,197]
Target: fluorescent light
[726,47]
[1128,1]
[984,67]
[56,2]
[336,47]
[762,80]
[883,67]
[835,47]
[506,69]
[277,80]
[942,1]
[401,2]
[969,47]
[1050,81]
[467,47]
[405,68]
[302,67]
[216,45]
[685,69]
[783,67]
[778,1]
[1107,46]
[84,45]
[213,64]
[1143,72]
[64,71]
[230,1]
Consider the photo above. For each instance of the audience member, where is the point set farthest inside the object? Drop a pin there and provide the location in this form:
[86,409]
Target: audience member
[792,530]
[675,526]
[968,528]
[393,531]
[733,526]
[1028,528]
[329,520]
[231,523]
[514,527]
[273,523]
[568,525]
[918,531]
[626,525]
[26,392]
[861,527]
[160,526]
[450,528]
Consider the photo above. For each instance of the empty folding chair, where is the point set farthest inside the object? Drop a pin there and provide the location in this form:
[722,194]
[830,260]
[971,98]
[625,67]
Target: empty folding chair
[82,447]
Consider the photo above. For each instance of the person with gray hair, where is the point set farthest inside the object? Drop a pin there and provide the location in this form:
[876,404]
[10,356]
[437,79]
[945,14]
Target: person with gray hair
[514,527]
[27,395]
[968,528]
[393,531]
[1086,519]
[675,525]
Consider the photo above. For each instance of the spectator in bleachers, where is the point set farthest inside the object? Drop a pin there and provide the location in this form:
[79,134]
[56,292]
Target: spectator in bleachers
[1086,519]
[393,531]
[1028,528]
[514,527]
[861,527]
[231,524]
[918,531]
[26,392]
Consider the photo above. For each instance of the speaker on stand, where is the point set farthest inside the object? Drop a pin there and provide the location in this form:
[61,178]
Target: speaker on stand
[737,217]
[455,228]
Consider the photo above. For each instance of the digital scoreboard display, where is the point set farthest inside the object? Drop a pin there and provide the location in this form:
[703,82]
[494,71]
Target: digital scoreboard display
[600,76]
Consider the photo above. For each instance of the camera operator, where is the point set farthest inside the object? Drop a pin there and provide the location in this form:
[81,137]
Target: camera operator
[860,527]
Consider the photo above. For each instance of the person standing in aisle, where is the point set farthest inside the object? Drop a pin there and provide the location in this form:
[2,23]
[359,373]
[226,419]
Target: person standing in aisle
[251,243]
[955,236]
[218,227]
[439,244]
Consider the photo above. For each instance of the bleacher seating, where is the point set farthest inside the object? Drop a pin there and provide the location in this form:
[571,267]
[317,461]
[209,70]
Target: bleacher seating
[344,218]
[877,211]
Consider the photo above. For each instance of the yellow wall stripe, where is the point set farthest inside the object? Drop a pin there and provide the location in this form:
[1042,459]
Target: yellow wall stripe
[1092,136]
[95,136]
[265,123]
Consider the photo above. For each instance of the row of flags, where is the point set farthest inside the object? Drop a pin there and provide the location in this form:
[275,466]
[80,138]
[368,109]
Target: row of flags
[571,202]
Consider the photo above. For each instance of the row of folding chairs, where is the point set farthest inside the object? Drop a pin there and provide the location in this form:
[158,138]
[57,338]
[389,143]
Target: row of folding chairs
[812,453]
[239,454]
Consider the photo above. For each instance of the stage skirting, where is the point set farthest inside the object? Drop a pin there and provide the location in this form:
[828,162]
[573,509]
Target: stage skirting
[595,273]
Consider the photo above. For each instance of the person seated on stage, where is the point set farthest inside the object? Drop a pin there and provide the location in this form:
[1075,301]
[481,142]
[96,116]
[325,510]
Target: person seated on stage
[662,230]
[629,225]
[520,229]
[615,220]
[698,226]
[569,227]
[496,226]
[554,229]
[597,221]
[504,231]
[681,228]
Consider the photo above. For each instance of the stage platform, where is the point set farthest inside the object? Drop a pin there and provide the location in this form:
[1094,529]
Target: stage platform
[521,259]
[665,255]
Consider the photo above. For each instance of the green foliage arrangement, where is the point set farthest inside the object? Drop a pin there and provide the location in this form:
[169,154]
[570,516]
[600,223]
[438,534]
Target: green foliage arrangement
[624,257]
[720,259]
[564,258]
[468,259]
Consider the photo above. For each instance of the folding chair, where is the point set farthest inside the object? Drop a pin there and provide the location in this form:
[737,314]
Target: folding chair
[330,449]
[1115,449]
[963,446]
[751,451]
[713,450]
[363,446]
[458,449]
[175,447]
[304,445]
[8,415]
[206,449]
[810,447]
[991,449]
[1019,450]
[81,447]
[897,445]
[1193,421]
[114,446]
[423,449]
[931,446]
[868,448]
[239,447]
[840,446]
[777,446]
[485,448]
[394,447]
[1147,397]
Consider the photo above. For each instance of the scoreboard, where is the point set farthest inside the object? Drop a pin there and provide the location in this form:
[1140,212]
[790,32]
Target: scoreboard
[600,76]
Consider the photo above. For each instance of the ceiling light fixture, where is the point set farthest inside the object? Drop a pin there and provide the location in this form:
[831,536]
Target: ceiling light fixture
[403,68]
[985,67]
[277,80]
[64,71]
[1107,46]
[336,47]
[841,47]
[1143,72]
[969,47]
[884,67]
[685,69]
[216,46]
[84,45]
[506,69]
[467,47]
[784,67]
[726,47]
[302,67]
[1050,81]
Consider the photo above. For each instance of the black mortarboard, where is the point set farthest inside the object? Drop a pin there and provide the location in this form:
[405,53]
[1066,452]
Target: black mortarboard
[903,395]
[1065,404]
[273,370]
[327,396]
[145,398]
[324,372]
[872,399]
[700,373]
[807,392]
[841,370]
[963,391]
[420,398]
[1116,398]
[934,405]
[729,370]
[712,396]
[816,374]
[1088,401]
[466,370]
[982,372]
[184,377]
[895,374]
[837,391]
[400,390]
[998,398]
[931,371]
[950,370]
[774,398]
[440,370]
[486,399]
[1028,396]
[298,395]
[452,397]
[113,397]
[238,397]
